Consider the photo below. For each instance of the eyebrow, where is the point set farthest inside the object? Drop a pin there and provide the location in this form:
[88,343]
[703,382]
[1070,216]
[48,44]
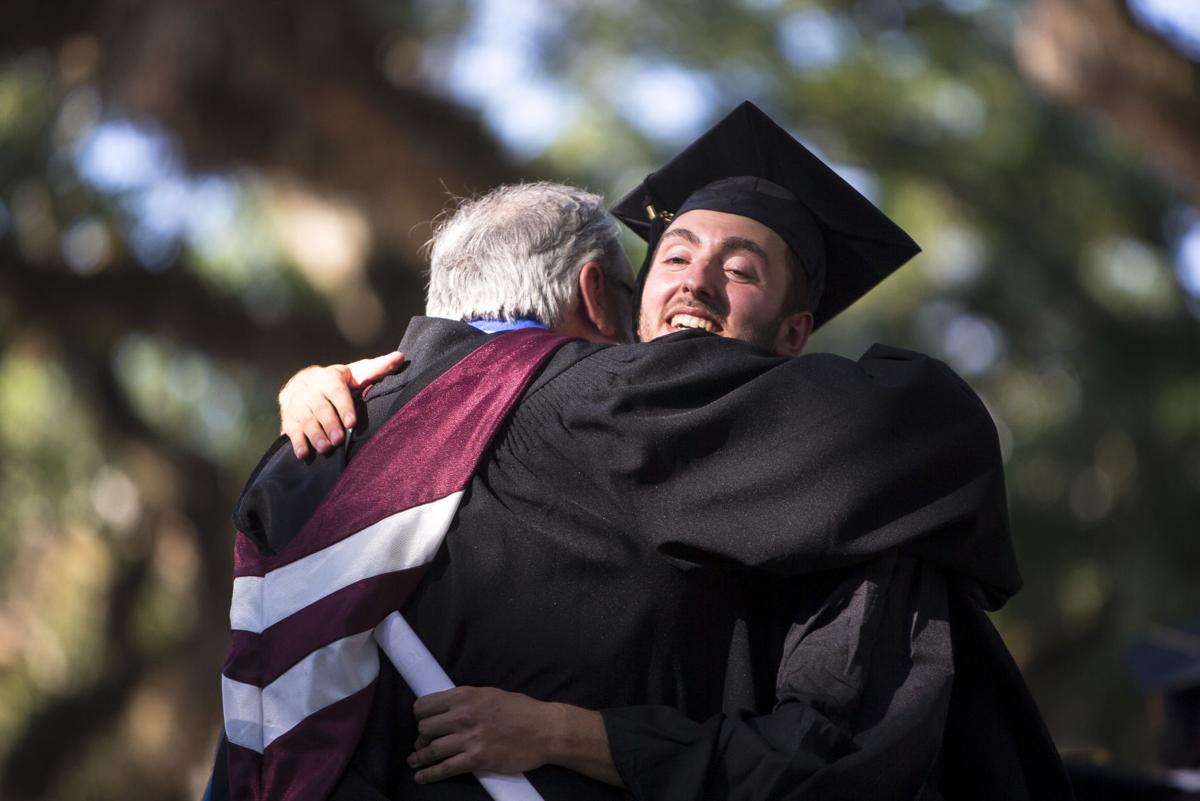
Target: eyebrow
[682,233]
[727,244]
[741,243]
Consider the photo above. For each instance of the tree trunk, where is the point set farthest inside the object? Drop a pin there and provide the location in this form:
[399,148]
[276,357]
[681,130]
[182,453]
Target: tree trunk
[1094,55]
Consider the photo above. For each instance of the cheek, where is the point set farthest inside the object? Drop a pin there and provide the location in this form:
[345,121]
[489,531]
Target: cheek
[646,314]
[654,294]
[657,280]
[751,305]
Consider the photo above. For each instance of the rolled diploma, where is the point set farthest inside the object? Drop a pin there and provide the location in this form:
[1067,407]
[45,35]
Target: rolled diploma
[424,675]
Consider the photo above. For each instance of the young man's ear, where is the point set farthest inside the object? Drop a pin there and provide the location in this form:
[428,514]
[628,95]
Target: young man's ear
[596,304]
[793,333]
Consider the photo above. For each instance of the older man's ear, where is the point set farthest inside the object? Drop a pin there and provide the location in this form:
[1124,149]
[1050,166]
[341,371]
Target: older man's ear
[599,315]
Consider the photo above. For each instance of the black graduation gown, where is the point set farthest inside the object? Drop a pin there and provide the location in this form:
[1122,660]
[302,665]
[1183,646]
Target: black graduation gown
[690,534]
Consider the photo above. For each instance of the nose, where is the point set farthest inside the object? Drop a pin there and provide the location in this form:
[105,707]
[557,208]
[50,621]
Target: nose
[699,279]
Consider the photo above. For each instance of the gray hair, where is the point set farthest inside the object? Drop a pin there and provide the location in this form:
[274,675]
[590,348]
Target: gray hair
[516,252]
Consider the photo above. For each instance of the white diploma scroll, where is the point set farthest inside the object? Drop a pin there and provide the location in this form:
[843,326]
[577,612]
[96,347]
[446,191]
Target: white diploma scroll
[424,675]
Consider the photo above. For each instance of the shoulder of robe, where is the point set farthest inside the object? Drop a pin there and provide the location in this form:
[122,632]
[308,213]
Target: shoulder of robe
[891,365]
[263,504]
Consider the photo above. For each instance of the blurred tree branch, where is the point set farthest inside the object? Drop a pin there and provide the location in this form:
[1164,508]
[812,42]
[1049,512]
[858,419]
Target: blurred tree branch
[294,88]
[181,306]
[175,304]
[1094,55]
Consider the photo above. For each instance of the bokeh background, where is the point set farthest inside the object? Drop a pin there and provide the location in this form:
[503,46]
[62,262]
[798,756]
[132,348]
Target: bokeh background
[198,198]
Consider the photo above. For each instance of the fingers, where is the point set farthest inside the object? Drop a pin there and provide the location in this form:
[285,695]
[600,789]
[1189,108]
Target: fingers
[307,418]
[295,434]
[293,410]
[451,755]
[324,419]
[330,400]
[314,406]
[454,766]
[438,750]
[430,729]
[477,728]
[436,703]
[313,425]
[368,371]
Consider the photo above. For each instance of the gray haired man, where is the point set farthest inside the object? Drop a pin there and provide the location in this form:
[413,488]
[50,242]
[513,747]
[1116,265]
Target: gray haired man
[528,254]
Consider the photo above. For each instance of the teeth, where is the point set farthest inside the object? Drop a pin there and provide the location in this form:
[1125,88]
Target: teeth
[688,321]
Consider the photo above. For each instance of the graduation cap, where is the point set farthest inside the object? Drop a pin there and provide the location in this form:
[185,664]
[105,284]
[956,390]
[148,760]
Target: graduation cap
[1166,662]
[747,165]
[1167,659]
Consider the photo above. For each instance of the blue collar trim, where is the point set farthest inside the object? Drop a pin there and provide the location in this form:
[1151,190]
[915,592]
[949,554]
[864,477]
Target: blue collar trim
[495,326]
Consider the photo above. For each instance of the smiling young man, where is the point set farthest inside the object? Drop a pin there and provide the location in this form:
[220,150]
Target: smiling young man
[699,568]
[727,275]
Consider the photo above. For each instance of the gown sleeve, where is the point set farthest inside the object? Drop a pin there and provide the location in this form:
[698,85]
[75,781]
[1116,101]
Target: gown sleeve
[727,456]
[862,697]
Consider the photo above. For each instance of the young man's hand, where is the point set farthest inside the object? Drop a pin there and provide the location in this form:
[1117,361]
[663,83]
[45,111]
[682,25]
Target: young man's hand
[316,406]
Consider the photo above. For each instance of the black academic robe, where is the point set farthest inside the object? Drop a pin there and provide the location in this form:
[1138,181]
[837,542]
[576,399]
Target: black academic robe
[756,568]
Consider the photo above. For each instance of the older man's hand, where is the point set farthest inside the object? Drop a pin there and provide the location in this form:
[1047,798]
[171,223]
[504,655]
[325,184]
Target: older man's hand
[481,728]
[316,406]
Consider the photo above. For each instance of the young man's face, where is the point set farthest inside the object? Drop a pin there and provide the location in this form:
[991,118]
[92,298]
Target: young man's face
[725,274]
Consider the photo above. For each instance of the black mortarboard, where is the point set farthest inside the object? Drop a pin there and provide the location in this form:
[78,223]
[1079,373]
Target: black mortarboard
[1167,659]
[748,165]
[1166,663]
